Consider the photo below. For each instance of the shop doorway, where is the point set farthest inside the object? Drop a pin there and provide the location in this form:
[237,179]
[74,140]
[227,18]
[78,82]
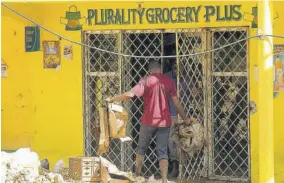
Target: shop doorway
[212,87]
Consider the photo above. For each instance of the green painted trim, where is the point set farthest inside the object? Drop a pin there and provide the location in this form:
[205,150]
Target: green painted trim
[8,150]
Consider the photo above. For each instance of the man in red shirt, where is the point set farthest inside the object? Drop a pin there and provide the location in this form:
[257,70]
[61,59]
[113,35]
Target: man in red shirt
[157,90]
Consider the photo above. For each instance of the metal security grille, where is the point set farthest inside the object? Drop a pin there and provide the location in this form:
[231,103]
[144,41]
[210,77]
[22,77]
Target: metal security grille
[102,80]
[191,92]
[212,87]
[229,98]
[139,43]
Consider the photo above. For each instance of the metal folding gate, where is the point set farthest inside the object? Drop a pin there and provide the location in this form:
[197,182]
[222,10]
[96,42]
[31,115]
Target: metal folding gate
[212,87]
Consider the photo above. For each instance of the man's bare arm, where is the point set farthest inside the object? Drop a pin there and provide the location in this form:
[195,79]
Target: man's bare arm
[125,96]
[179,108]
[181,111]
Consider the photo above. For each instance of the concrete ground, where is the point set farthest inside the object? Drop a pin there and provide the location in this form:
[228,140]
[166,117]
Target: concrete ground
[205,181]
[278,170]
[202,181]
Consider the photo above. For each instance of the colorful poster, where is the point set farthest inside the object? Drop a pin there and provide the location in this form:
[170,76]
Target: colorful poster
[32,38]
[68,52]
[51,54]
[278,58]
[3,70]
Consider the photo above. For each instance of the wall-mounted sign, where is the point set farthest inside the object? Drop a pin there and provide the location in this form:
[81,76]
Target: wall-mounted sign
[278,68]
[51,54]
[73,20]
[68,52]
[4,68]
[252,17]
[32,38]
[164,15]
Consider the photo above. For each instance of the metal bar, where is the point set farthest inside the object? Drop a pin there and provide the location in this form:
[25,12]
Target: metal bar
[248,110]
[187,30]
[119,45]
[102,74]
[83,49]
[103,32]
[170,30]
[120,59]
[178,94]
[162,50]
[144,31]
[88,55]
[126,81]
[237,74]
[87,60]
[225,29]
[204,79]
[226,178]
[209,41]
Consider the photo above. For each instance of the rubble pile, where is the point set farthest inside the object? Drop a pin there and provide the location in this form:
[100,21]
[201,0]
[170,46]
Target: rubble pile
[189,137]
[23,166]
[109,169]
[150,180]
[49,178]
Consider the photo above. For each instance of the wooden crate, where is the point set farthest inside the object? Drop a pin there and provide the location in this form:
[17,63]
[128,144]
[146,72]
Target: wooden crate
[85,169]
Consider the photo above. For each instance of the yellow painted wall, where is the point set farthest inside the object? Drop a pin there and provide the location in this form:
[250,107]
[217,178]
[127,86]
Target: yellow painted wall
[42,108]
[253,118]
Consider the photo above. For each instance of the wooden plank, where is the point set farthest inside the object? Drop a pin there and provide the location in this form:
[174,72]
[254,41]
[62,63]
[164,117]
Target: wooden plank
[104,135]
[106,129]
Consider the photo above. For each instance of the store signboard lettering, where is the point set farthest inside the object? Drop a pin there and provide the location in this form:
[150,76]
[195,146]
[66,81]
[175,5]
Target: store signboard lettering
[164,15]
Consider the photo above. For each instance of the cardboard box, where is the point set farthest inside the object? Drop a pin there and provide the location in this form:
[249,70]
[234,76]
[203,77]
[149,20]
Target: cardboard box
[95,169]
[118,118]
[85,169]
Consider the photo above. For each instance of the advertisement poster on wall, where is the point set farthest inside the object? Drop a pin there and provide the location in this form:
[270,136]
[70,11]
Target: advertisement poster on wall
[32,38]
[68,52]
[278,58]
[3,69]
[51,54]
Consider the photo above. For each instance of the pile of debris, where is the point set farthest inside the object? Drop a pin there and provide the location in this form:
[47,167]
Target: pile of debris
[150,180]
[24,166]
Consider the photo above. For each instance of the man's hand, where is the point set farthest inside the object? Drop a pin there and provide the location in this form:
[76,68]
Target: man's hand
[179,108]
[193,120]
[190,120]
[109,100]
[187,121]
[125,96]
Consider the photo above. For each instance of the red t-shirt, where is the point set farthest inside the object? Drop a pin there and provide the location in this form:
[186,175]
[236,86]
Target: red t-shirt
[156,89]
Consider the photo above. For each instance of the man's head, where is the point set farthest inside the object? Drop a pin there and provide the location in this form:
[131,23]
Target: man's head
[154,66]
